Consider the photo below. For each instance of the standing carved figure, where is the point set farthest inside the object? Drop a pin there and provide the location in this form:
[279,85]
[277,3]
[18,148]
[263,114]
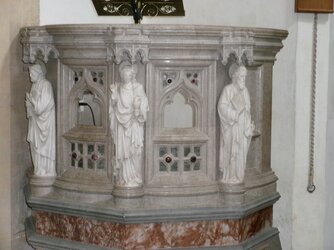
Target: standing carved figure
[236,126]
[128,110]
[42,128]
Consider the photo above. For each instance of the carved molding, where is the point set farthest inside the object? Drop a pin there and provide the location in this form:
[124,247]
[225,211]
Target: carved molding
[127,45]
[110,54]
[33,51]
[114,43]
[131,53]
[239,44]
[37,44]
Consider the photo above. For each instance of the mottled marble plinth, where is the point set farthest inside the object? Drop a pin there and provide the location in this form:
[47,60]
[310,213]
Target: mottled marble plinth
[152,235]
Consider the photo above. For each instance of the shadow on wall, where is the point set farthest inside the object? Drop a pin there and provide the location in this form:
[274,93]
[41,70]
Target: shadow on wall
[20,154]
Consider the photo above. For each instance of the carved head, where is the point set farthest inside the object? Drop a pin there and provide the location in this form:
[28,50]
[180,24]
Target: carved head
[36,72]
[238,75]
[134,72]
[126,74]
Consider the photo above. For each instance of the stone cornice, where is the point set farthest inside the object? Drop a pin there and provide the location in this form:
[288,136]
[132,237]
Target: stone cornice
[114,43]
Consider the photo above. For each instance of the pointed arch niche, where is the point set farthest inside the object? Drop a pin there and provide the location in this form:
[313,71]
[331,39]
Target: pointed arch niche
[181,138]
[179,110]
[86,102]
[86,147]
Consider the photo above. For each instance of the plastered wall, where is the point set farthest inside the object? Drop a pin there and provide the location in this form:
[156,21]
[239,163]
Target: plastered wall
[309,209]
[15,157]
[329,171]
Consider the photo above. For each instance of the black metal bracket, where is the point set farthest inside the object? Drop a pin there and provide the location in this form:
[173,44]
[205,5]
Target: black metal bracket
[139,8]
[136,6]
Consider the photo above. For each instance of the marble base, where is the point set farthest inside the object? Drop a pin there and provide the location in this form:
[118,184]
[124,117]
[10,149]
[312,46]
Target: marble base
[147,223]
[152,235]
[265,240]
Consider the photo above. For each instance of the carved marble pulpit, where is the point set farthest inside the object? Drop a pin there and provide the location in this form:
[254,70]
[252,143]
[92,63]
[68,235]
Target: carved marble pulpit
[182,199]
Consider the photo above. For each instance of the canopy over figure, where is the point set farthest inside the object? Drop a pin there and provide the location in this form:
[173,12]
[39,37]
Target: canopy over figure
[42,128]
[236,126]
[128,110]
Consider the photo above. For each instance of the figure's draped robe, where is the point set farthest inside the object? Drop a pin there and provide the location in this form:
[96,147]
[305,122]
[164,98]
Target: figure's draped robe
[42,128]
[128,132]
[236,133]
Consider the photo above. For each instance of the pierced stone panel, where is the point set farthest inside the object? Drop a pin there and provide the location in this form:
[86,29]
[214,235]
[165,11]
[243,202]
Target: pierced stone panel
[179,158]
[192,158]
[98,76]
[77,75]
[193,78]
[88,156]
[169,78]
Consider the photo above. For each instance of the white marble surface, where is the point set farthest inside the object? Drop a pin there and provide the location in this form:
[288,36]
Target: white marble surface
[128,112]
[42,123]
[236,126]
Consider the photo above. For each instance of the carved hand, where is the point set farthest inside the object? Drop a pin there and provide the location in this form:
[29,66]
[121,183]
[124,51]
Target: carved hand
[113,90]
[250,130]
[27,97]
[252,127]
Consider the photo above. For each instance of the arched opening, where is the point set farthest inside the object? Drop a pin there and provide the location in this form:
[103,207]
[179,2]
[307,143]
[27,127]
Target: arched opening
[178,114]
[89,111]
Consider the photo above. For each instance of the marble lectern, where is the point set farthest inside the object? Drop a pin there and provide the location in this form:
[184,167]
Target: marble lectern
[163,137]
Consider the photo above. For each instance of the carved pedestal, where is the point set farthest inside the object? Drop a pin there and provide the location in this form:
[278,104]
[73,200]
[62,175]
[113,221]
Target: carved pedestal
[179,198]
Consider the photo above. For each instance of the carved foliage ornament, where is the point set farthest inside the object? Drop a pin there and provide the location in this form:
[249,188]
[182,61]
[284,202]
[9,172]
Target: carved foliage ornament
[131,53]
[33,52]
[239,44]
[37,45]
[147,7]
[128,50]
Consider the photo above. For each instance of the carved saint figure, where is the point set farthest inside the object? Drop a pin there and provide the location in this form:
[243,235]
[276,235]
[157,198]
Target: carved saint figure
[236,126]
[128,110]
[42,128]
